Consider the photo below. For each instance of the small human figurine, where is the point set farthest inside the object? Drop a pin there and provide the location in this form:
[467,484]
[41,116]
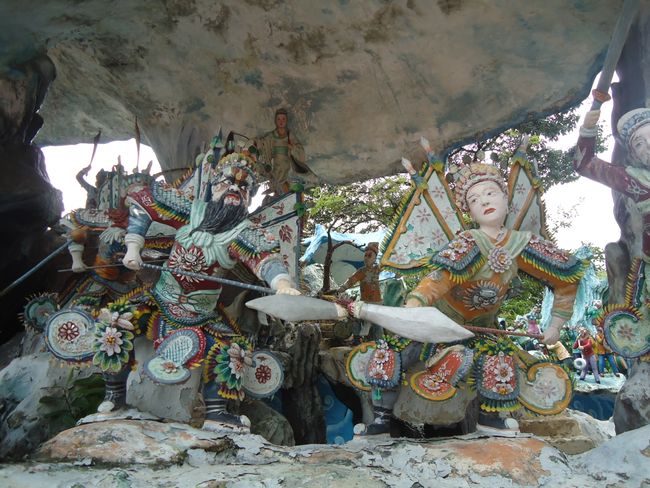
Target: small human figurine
[469,280]
[631,180]
[282,154]
[218,236]
[562,354]
[585,344]
[533,318]
[91,191]
[368,278]
[604,352]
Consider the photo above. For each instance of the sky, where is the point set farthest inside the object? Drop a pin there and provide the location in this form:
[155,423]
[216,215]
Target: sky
[593,223]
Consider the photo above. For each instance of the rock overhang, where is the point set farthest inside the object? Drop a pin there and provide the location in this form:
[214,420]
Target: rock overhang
[362,80]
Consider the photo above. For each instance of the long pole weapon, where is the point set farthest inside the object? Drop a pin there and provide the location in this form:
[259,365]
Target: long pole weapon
[38,266]
[223,281]
[627,15]
[104,266]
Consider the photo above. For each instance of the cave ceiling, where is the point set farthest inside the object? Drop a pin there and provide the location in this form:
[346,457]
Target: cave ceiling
[363,80]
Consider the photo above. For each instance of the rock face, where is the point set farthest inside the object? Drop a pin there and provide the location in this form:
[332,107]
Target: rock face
[632,407]
[28,202]
[572,432]
[448,70]
[145,453]
[23,422]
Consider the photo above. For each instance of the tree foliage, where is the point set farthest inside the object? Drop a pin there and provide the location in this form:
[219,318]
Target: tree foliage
[367,205]
[528,293]
[554,165]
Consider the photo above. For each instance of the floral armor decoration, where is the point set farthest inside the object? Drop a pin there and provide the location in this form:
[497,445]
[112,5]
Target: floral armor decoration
[114,337]
[461,257]
[225,365]
[494,374]
[385,366]
[546,256]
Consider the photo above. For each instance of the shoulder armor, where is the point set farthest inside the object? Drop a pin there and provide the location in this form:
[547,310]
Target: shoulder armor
[461,257]
[255,241]
[171,198]
[545,255]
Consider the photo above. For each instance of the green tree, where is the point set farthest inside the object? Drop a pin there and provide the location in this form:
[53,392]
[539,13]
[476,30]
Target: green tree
[369,205]
[554,166]
[527,292]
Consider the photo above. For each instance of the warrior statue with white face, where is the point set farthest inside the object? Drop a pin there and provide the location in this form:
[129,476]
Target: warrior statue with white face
[632,180]
[218,236]
[468,281]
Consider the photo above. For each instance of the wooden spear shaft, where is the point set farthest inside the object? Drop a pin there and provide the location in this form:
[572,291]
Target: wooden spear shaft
[485,330]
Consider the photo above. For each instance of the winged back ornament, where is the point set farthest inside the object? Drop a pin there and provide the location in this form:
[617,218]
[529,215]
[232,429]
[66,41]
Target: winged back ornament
[428,217]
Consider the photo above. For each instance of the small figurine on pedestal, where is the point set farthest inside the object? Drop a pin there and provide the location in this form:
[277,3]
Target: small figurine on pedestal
[282,154]
[368,278]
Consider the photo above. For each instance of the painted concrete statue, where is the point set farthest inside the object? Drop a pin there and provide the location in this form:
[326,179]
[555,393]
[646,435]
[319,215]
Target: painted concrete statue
[367,276]
[283,155]
[625,319]
[182,311]
[368,279]
[104,222]
[468,278]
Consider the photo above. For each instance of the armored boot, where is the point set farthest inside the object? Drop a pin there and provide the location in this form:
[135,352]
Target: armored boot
[215,411]
[381,423]
[115,395]
[494,422]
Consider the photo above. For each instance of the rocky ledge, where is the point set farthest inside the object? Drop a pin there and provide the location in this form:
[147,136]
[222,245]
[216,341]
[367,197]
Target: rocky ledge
[134,453]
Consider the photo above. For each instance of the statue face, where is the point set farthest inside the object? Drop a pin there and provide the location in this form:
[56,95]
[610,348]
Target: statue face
[369,257]
[281,121]
[235,185]
[487,204]
[640,145]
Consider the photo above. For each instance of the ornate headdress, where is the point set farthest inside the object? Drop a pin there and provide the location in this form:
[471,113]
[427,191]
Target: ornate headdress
[241,162]
[631,121]
[472,174]
[373,246]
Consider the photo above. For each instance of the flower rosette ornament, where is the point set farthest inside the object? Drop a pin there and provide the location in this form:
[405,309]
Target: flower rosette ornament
[499,260]
[226,363]
[113,338]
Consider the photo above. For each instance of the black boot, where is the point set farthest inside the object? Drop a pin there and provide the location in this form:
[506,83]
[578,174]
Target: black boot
[494,421]
[381,424]
[215,410]
[115,395]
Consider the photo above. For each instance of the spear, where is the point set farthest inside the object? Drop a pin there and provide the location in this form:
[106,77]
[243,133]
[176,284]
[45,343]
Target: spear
[223,281]
[486,330]
[101,266]
[33,270]
[627,15]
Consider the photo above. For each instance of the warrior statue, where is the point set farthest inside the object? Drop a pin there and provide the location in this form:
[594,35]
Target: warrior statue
[104,220]
[282,154]
[625,319]
[185,308]
[468,279]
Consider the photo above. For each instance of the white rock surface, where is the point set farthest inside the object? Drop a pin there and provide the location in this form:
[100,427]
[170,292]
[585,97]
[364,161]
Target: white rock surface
[138,454]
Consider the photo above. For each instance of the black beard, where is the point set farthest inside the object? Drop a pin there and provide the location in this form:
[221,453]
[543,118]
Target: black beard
[220,218]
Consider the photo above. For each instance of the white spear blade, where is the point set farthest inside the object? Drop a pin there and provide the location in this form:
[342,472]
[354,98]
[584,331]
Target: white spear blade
[422,324]
[297,308]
